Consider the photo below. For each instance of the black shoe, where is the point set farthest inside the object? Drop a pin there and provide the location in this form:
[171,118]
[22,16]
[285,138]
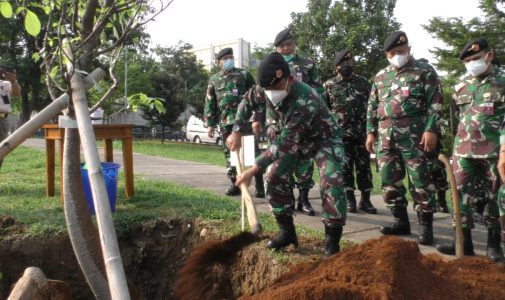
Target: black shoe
[304,204]
[351,201]
[426,229]
[401,226]
[286,235]
[332,235]
[365,204]
[233,190]
[450,248]
[493,248]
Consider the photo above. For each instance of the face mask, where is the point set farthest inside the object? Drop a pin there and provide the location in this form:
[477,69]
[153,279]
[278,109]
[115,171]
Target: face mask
[229,64]
[477,67]
[398,60]
[276,96]
[345,71]
[288,57]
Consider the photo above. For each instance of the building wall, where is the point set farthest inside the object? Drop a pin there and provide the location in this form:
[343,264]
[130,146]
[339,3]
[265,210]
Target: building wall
[241,51]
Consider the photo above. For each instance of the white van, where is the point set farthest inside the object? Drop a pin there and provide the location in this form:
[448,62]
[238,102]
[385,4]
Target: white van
[196,132]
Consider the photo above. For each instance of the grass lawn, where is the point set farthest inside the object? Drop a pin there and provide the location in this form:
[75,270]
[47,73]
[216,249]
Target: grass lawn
[210,154]
[22,196]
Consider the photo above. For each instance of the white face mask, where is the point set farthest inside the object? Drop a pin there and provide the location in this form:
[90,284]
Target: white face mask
[477,67]
[276,96]
[399,60]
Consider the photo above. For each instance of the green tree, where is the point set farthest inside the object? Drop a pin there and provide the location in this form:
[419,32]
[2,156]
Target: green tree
[455,33]
[330,26]
[178,79]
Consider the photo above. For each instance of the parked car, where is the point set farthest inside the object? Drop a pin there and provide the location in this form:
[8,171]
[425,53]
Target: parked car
[196,132]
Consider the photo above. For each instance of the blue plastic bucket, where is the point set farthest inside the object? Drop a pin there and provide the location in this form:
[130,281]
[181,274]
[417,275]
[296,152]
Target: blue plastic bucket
[110,173]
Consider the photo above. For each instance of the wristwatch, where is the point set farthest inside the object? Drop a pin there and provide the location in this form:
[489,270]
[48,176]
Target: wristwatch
[235,128]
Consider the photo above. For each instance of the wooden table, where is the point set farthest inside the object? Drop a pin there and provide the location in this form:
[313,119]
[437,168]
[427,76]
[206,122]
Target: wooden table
[107,133]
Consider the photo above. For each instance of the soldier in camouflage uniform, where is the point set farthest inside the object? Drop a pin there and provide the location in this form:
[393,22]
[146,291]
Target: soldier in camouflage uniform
[347,95]
[403,112]
[304,70]
[223,97]
[307,131]
[480,98]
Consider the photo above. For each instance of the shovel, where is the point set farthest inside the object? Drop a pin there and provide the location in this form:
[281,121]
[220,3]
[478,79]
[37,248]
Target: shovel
[252,215]
[455,204]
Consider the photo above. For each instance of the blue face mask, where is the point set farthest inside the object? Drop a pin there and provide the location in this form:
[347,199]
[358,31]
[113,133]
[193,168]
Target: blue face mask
[288,58]
[229,64]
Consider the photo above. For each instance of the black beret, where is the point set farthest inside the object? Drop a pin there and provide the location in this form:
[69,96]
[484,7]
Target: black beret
[268,68]
[473,47]
[342,56]
[224,52]
[282,36]
[395,39]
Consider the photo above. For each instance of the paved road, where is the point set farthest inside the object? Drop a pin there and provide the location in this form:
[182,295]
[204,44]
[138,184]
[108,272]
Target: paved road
[359,227]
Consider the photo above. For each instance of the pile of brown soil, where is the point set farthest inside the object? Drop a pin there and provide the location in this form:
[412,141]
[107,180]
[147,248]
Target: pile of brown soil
[390,268]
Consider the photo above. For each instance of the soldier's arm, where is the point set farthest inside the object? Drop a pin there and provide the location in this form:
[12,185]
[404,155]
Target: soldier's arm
[372,120]
[315,82]
[211,109]
[434,101]
[288,141]
[252,106]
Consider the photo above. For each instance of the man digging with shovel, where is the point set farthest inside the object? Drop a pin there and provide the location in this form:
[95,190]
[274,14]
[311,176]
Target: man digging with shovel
[307,131]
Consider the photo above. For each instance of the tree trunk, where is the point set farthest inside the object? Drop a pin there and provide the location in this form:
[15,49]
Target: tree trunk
[83,235]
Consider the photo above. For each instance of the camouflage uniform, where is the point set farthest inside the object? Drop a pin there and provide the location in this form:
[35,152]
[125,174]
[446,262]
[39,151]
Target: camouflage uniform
[305,70]
[481,106]
[402,106]
[223,97]
[307,131]
[348,100]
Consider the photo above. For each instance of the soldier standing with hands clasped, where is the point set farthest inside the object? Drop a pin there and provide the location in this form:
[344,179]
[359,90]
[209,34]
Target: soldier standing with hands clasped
[403,115]
[480,99]
[347,95]
[223,97]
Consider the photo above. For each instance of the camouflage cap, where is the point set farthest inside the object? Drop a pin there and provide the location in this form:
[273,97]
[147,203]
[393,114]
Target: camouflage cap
[473,47]
[268,70]
[342,56]
[395,39]
[224,52]
[282,36]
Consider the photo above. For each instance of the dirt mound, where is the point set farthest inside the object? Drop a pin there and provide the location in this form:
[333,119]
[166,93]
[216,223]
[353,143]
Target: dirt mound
[390,268]
[202,276]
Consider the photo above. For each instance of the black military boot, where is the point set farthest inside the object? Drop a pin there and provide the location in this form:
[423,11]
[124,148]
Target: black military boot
[442,203]
[351,201]
[332,235]
[286,235]
[304,204]
[401,225]
[259,186]
[365,204]
[450,248]
[233,190]
[426,228]
[493,248]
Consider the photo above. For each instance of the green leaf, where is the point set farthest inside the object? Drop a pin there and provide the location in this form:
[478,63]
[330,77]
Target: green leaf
[53,72]
[36,57]
[6,9]
[19,9]
[159,106]
[32,23]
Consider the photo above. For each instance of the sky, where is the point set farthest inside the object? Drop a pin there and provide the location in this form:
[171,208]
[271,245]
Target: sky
[202,22]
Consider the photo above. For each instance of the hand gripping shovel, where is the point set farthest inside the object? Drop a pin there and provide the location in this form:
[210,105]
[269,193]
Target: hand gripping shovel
[455,205]
[252,215]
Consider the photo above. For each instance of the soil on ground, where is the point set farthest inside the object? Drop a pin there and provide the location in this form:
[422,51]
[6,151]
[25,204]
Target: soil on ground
[389,268]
